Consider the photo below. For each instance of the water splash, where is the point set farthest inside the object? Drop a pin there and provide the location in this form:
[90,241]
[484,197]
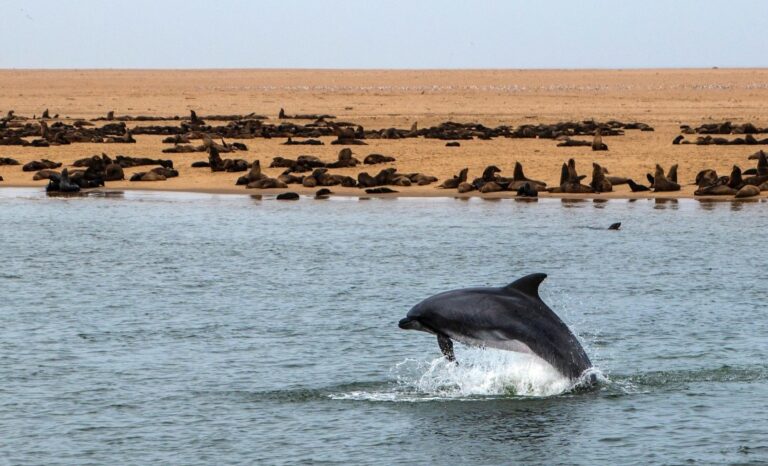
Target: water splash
[480,375]
[485,372]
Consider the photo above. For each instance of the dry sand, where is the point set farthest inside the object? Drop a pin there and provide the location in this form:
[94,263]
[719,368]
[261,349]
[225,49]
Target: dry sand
[379,99]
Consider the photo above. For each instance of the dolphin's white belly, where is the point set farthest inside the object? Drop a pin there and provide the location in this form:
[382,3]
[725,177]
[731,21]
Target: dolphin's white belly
[493,339]
[496,340]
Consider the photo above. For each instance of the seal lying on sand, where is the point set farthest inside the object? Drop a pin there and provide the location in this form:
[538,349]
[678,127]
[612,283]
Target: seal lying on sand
[637,188]
[512,318]
[716,189]
[37,165]
[706,178]
[749,190]
[344,159]
[254,175]
[45,174]
[373,159]
[528,190]
[454,182]
[712,185]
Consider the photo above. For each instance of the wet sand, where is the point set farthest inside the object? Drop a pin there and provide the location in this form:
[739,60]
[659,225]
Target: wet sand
[381,99]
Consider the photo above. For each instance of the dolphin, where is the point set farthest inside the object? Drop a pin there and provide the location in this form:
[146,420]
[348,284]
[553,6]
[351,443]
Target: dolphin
[512,318]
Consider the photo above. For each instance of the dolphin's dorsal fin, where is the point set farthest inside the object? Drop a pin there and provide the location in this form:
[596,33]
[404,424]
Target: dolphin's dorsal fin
[528,285]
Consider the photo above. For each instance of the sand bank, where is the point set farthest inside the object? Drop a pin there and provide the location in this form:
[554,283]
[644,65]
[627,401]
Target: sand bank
[380,99]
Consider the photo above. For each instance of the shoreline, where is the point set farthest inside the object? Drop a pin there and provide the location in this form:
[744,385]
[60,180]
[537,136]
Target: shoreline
[414,194]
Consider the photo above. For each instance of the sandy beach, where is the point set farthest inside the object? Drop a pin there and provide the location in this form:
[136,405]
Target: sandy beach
[664,99]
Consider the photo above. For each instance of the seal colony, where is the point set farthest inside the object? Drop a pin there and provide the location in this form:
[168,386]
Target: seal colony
[310,171]
[411,139]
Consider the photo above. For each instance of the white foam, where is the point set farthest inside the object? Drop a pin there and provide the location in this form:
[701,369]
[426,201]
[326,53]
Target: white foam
[488,372]
[481,373]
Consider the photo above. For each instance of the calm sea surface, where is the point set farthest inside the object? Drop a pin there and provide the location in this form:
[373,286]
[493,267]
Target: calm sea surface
[202,329]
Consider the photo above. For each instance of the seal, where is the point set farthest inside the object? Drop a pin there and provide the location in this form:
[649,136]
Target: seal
[706,177]
[45,174]
[661,183]
[716,189]
[491,187]
[383,190]
[519,179]
[572,184]
[62,183]
[735,181]
[373,159]
[489,175]
[600,183]
[465,187]
[749,190]
[454,182]
[289,196]
[637,188]
[597,141]
[527,190]
[672,173]
[254,174]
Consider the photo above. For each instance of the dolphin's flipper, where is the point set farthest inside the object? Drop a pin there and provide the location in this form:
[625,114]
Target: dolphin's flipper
[446,346]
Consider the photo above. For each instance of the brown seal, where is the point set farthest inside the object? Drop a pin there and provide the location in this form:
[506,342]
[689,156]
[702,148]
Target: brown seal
[735,181]
[715,190]
[637,188]
[454,182]
[491,187]
[573,183]
[597,141]
[600,183]
[519,179]
[749,190]
[661,183]
[706,177]
[672,173]
[465,187]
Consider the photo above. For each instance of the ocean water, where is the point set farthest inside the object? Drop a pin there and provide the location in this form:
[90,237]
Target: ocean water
[144,327]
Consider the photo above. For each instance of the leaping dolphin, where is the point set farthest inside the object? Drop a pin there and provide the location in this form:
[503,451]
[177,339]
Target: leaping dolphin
[512,318]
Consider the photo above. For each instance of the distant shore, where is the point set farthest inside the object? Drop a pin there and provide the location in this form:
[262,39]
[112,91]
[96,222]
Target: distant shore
[408,193]
[663,99]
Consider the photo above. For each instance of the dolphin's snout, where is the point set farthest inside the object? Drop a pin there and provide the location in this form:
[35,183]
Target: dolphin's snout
[405,323]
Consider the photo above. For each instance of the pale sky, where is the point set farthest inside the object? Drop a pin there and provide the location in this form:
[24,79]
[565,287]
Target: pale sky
[383,34]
